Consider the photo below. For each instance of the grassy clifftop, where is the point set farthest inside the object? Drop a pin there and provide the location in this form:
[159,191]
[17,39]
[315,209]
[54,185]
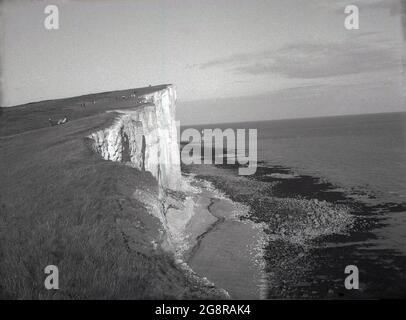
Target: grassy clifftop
[35,115]
[61,204]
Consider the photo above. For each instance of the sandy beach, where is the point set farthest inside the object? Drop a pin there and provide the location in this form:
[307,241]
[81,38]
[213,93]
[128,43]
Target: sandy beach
[223,248]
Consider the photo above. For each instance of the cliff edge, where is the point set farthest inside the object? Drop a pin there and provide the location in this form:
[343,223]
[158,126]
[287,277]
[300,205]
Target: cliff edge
[102,223]
[145,137]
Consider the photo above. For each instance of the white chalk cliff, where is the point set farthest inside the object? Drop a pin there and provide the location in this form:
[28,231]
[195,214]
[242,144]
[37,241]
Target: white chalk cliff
[146,137]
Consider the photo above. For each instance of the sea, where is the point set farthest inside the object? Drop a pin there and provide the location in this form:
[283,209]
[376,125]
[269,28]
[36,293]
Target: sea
[331,193]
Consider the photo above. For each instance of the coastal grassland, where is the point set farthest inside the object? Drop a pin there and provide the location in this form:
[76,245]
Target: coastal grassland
[61,204]
[35,115]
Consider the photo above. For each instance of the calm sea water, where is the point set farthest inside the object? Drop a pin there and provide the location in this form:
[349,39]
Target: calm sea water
[362,151]
[365,152]
[364,158]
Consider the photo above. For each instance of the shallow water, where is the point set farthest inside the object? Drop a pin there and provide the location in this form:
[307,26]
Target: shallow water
[229,252]
[226,256]
[357,162]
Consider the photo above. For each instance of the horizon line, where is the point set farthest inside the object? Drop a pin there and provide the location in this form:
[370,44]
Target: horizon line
[298,118]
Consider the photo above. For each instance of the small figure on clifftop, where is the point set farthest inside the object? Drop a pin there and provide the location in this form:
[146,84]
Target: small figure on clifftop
[51,122]
[62,121]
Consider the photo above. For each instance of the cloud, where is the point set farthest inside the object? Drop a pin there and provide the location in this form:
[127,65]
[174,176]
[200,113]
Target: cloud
[236,58]
[310,60]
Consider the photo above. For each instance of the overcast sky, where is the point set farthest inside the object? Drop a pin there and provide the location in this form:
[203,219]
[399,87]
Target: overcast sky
[231,60]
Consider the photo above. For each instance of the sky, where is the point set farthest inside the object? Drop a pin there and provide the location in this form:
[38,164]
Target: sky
[231,60]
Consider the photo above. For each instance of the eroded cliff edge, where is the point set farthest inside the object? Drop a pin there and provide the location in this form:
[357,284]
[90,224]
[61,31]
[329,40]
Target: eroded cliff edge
[63,204]
[145,137]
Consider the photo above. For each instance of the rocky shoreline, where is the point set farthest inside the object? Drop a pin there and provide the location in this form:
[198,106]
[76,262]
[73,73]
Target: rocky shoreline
[216,243]
[313,230]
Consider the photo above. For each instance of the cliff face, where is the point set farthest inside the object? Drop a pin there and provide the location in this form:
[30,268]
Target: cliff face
[97,218]
[146,137]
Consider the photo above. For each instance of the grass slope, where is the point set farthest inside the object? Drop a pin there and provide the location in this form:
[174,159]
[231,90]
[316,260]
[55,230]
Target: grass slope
[61,204]
[35,115]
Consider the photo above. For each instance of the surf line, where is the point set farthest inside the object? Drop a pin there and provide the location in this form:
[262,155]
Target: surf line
[211,228]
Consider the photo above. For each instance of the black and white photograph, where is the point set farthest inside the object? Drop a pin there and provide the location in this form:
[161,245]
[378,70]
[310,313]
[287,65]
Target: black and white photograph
[210,150]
